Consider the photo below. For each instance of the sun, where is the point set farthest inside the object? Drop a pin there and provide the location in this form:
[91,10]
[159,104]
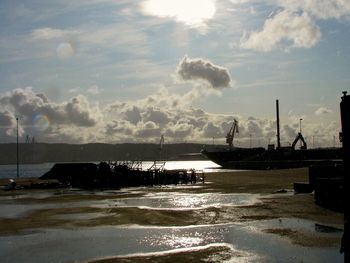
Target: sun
[193,13]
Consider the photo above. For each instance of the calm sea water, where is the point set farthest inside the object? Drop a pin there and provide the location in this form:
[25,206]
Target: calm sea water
[37,170]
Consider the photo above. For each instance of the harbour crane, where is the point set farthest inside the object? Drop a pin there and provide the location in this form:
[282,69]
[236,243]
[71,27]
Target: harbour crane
[231,134]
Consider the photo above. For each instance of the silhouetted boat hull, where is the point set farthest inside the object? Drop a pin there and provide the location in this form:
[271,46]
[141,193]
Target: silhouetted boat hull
[262,159]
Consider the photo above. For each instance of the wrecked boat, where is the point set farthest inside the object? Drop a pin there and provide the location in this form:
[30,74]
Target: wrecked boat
[119,174]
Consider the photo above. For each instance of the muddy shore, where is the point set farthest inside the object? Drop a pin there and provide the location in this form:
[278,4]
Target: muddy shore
[276,200]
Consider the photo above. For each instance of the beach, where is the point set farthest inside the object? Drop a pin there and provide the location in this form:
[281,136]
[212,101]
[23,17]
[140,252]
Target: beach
[230,201]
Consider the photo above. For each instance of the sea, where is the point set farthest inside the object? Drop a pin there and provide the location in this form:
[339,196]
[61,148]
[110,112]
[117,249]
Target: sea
[37,170]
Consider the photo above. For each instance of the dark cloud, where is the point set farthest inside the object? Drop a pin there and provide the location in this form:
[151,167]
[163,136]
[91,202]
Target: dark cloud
[133,114]
[179,130]
[156,115]
[200,69]
[289,131]
[211,130]
[121,127]
[7,119]
[148,130]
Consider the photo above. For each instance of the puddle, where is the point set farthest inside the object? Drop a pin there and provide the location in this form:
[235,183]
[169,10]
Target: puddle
[64,245]
[19,205]
[79,244]
[296,224]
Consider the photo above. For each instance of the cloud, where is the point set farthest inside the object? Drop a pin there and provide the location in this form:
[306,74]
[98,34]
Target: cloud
[211,130]
[120,127]
[74,90]
[179,130]
[289,131]
[48,33]
[199,69]
[148,129]
[156,115]
[133,114]
[25,102]
[286,26]
[192,13]
[6,119]
[126,36]
[94,90]
[8,123]
[323,9]
[322,111]
[78,121]
[80,113]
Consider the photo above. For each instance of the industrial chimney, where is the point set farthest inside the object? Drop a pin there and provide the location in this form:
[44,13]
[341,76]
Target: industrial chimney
[278,125]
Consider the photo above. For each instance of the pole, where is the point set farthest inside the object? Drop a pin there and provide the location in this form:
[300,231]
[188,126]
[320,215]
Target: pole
[278,125]
[345,138]
[17,150]
[300,129]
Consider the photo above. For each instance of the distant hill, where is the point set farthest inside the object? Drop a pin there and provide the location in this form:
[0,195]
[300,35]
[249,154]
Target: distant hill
[45,152]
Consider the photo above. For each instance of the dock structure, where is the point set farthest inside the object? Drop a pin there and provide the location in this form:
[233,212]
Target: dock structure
[120,174]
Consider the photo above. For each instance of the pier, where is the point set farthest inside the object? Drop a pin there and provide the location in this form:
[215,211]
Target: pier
[119,174]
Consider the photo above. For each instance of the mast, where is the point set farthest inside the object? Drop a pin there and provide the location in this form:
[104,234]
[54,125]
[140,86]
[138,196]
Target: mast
[278,125]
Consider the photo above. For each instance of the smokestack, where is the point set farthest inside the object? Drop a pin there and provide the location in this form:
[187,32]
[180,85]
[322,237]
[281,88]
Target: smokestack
[278,125]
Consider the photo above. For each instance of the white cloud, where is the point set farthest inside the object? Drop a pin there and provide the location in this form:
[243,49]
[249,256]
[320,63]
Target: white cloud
[322,111]
[286,26]
[199,69]
[323,9]
[49,33]
[74,90]
[94,90]
[8,123]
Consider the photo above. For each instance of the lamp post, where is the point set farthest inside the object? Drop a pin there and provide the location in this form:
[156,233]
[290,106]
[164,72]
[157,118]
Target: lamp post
[17,149]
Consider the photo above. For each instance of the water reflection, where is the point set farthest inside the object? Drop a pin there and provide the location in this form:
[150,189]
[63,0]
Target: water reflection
[245,244]
[176,200]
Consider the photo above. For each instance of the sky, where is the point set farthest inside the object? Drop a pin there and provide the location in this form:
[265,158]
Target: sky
[115,71]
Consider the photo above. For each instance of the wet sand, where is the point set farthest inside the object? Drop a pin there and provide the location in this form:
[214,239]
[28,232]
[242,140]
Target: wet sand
[276,200]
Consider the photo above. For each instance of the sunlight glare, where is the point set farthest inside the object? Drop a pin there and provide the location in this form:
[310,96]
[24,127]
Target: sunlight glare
[193,13]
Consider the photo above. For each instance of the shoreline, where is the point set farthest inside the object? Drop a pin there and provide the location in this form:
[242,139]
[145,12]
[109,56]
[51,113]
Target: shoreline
[72,209]
[275,188]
